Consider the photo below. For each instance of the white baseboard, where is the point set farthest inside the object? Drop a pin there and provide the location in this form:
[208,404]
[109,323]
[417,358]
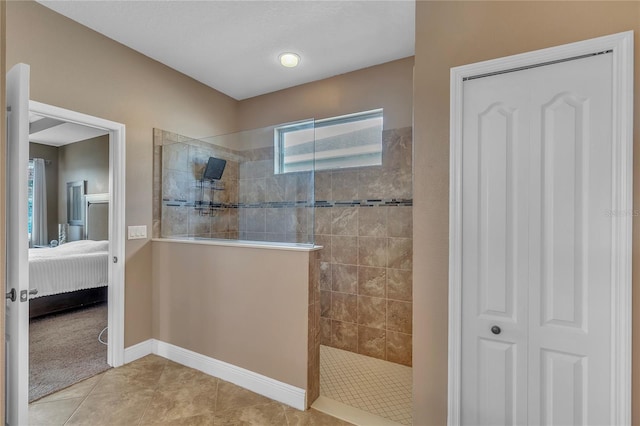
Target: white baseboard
[263,385]
[140,350]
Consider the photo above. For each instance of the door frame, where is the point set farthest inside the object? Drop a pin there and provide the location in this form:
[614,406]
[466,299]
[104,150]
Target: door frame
[117,149]
[621,47]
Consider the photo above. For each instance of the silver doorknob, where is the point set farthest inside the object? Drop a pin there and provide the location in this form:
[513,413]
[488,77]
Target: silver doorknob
[496,330]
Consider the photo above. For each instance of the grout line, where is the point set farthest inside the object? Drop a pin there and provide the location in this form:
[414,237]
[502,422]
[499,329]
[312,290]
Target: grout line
[85,397]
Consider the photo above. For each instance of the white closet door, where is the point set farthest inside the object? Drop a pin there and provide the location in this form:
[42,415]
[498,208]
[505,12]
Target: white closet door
[494,251]
[536,257]
[570,243]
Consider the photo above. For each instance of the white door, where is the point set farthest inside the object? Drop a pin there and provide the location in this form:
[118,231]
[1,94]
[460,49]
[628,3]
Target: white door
[17,311]
[537,245]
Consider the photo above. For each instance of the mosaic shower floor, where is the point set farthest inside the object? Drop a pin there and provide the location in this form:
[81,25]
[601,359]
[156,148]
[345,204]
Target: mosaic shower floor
[378,387]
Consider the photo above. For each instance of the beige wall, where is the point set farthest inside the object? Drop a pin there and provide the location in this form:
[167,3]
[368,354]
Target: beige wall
[449,34]
[387,86]
[50,153]
[79,69]
[236,305]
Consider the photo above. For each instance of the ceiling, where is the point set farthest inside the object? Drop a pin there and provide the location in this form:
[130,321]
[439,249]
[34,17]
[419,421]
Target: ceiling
[233,46]
[48,131]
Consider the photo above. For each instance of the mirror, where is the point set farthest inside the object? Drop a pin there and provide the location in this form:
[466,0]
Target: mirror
[75,202]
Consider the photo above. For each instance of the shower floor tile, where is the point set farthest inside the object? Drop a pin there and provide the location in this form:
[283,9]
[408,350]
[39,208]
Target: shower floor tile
[373,385]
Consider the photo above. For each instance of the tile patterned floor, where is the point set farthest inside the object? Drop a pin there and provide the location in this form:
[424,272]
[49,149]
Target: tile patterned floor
[155,391]
[379,387]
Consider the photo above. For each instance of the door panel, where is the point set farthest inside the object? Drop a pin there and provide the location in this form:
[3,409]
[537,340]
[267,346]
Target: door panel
[494,268]
[17,312]
[536,245]
[571,239]
[563,384]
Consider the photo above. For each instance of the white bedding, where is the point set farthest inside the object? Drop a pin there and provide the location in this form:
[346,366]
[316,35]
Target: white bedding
[72,266]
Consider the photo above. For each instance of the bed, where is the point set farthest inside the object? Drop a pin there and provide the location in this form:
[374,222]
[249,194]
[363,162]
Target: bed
[68,276]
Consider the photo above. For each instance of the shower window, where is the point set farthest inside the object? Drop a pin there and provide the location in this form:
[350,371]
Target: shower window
[353,140]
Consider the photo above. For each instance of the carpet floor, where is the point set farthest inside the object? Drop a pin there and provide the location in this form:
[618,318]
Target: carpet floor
[64,349]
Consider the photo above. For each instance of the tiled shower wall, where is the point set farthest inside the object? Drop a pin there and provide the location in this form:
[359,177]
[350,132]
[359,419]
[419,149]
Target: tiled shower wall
[276,205]
[363,218]
[366,229]
[178,163]
[253,203]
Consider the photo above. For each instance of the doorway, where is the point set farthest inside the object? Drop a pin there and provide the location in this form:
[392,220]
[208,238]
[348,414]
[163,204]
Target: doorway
[17,319]
[68,253]
[540,272]
[116,189]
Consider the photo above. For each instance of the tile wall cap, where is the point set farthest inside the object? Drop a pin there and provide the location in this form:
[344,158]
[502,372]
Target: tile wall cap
[237,243]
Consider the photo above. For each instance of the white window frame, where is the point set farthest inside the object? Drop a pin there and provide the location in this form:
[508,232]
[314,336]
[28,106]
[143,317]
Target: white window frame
[282,130]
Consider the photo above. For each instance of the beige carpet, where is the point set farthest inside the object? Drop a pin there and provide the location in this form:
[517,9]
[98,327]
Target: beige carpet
[64,349]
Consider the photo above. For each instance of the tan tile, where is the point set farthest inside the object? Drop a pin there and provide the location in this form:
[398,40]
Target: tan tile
[400,253]
[344,221]
[325,304]
[199,420]
[400,222]
[344,278]
[80,389]
[344,250]
[399,316]
[183,392]
[311,417]
[322,186]
[372,311]
[372,251]
[344,335]
[123,408]
[325,331]
[142,374]
[258,415]
[53,413]
[399,284]
[396,149]
[372,281]
[372,222]
[231,396]
[343,187]
[399,348]
[323,220]
[325,242]
[325,275]
[371,342]
[344,307]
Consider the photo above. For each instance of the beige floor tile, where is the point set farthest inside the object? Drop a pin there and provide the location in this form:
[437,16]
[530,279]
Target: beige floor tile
[155,391]
[175,374]
[175,400]
[80,389]
[53,413]
[200,420]
[270,414]
[124,408]
[231,396]
[311,418]
[143,374]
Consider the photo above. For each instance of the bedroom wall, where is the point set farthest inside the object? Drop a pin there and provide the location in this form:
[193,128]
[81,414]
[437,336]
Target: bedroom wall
[77,68]
[86,160]
[450,34]
[50,153]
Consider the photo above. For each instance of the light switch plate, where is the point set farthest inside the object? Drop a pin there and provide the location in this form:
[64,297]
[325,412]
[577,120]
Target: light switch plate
[137,232]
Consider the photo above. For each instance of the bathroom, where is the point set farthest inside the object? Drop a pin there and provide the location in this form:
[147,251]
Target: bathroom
[361,216]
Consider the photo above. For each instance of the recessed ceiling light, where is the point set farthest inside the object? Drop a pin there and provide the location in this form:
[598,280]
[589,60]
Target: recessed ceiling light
[289,60]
